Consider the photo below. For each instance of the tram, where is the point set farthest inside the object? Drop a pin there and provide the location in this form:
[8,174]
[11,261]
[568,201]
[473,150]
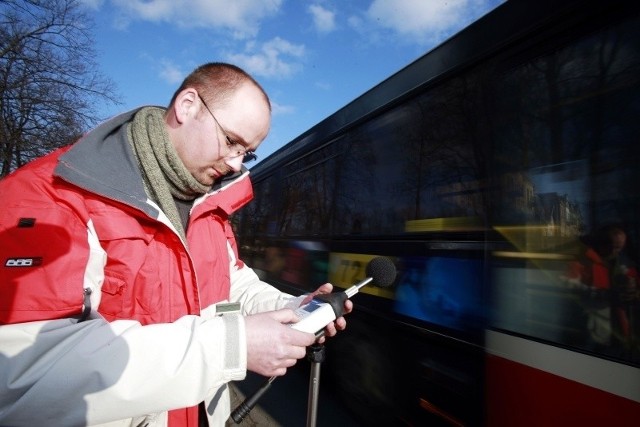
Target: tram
[500,172]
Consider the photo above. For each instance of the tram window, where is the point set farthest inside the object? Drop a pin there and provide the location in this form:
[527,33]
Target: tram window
[414,162]
[567,164]
[442,290]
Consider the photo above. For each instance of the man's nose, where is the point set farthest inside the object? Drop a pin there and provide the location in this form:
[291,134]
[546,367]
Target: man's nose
[234,163]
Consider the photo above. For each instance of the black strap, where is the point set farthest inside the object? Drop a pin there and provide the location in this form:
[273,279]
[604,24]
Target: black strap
[87,305]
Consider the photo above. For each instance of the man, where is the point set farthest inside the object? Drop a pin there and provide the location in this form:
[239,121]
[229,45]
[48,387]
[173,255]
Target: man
[118,259]
[608,279]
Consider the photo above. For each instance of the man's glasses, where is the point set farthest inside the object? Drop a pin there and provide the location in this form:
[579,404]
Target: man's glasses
[236,149]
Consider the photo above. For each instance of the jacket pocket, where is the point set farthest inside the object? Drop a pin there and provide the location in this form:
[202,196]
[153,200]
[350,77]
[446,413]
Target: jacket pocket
[132,287]
[112,296]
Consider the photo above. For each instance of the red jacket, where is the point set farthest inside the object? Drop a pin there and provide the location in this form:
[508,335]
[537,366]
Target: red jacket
[66,214]
[595,272]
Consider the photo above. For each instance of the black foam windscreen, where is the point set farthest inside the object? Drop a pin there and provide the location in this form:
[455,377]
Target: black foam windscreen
[382,271]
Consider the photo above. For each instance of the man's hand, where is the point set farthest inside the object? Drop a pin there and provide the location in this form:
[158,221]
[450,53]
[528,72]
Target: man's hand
[272,345]
[340,323]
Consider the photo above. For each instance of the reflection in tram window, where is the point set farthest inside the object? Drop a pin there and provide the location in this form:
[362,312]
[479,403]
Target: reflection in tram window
[605,279]
[445,291]
[567,164]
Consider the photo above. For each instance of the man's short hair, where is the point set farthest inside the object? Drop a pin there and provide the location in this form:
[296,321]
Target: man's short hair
[217,81]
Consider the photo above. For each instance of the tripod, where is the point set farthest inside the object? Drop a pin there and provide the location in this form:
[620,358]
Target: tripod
[316,354]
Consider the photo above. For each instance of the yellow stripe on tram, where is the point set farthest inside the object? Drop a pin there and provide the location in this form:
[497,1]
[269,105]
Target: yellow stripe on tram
[346,269]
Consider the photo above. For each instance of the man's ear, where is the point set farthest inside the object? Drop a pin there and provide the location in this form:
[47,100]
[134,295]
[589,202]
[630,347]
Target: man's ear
[185,105]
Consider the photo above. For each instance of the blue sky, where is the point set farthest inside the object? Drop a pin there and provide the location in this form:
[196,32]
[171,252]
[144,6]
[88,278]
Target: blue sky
[312,57]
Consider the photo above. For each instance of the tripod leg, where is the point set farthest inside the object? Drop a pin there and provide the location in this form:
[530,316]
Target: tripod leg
[316,355]
[314,388]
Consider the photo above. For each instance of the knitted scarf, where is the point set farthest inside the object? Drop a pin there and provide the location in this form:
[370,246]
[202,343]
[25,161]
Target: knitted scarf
[163,173]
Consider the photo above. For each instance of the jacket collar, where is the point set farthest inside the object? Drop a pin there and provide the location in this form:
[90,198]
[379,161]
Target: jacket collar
[103,163]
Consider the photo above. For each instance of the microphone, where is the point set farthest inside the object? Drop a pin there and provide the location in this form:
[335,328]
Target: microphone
[381,271]
[321,311]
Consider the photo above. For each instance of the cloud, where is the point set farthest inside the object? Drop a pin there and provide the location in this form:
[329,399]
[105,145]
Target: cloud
[425,20]
[323,85]
[280,109]
[242,17]
[170,73]
[323,19]
[355,22]
[274,58]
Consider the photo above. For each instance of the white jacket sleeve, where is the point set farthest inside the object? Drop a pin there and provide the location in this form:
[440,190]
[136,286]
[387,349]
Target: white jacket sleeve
[64,373]
[257,296]
[254,295]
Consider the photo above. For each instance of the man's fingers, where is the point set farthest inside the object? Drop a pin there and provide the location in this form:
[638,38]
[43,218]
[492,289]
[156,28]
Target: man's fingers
[284,316]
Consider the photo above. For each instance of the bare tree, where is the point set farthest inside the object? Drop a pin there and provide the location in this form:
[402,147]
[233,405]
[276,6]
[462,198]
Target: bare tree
[49,80]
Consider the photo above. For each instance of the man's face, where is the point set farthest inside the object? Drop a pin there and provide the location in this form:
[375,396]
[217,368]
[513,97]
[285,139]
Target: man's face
[213,141]
[618,241]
